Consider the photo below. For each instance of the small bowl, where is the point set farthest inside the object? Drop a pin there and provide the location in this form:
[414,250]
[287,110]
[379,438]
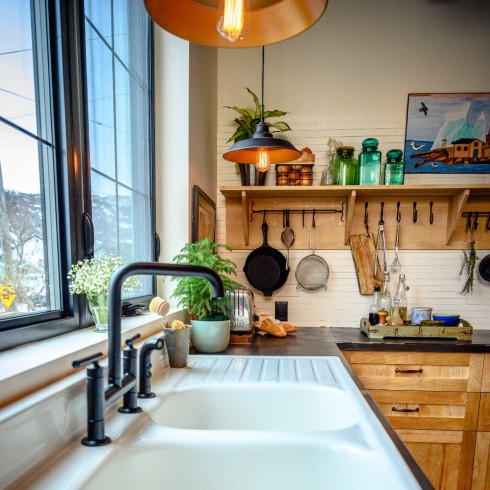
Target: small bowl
[449,319]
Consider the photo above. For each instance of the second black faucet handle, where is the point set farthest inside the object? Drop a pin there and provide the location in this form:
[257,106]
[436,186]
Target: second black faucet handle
[84,361]
[131,340]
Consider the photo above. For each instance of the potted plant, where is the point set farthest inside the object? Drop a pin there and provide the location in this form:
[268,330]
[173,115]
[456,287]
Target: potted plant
[209,316]
[247,122]
[91,277]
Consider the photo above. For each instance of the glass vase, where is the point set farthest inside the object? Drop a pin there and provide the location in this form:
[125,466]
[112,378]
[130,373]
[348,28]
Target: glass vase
[99,308]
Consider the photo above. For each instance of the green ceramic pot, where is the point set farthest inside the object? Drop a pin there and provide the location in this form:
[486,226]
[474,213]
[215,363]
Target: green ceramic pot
[210,336]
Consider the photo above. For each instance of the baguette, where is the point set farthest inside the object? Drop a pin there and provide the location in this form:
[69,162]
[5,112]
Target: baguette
[289,327]
[275,329]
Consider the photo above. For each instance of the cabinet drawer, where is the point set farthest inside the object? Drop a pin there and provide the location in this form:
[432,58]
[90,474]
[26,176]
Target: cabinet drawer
[417,371]
[422,410]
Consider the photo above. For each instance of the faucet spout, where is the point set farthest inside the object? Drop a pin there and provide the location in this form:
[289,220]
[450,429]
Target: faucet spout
[115,287]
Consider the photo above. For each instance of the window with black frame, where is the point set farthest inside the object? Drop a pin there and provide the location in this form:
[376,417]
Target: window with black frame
[107,151]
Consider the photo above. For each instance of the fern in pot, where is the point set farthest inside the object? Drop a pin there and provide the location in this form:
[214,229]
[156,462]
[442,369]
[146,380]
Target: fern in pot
[209,316]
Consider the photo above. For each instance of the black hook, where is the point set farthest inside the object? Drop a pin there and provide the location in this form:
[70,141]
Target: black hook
[475,223]
[415,212]
[398,214]
[431,214]
[304,218]
[313,219]
[488,223]
[381,221]
[264,216]
[468,222]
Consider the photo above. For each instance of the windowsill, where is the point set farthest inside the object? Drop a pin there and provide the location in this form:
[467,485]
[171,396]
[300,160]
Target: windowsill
[28,368]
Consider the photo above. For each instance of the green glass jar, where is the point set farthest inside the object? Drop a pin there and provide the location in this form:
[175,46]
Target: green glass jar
[369,162]
[394,168]
[345,167]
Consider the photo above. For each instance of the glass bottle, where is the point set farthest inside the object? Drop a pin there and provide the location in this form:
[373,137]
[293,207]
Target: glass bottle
[400,299]
[345,167]
[394,168]
[374,308]
[369,162]
[395,318]
[385,298]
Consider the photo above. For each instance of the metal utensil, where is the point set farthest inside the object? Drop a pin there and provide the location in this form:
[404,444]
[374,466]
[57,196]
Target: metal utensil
[287,236]
[380,237]
[395,265]
[312,271]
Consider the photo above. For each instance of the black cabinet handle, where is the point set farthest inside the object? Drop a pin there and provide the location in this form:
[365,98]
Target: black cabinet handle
[405,410]
[408,371]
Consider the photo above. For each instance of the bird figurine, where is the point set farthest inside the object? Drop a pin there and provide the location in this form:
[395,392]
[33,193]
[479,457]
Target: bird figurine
[424,109]
[415,147]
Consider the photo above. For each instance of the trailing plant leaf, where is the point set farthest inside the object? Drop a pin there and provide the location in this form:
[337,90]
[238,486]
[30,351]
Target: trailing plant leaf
[468,268]
[250,118]
[195,293]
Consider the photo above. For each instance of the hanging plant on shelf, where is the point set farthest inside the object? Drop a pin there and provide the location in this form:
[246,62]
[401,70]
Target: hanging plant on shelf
[247,123]
[468,268]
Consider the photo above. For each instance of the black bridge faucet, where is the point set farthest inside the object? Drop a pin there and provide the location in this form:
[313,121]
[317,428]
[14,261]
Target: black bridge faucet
[125,385]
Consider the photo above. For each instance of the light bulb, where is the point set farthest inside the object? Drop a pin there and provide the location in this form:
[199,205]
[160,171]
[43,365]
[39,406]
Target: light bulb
[263,161]
[231,25]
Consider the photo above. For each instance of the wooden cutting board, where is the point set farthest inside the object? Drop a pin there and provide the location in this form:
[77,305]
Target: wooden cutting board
[363,252]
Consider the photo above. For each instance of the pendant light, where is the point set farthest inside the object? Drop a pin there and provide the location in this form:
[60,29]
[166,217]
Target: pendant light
[235,23]
[262,148]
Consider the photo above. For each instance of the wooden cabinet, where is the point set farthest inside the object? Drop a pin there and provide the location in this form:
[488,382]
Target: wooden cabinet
[432,400]
[481,468]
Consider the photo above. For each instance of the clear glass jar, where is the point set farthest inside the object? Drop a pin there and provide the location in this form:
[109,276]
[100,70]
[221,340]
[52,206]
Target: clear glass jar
[369,162]
[374,308]
[400,299]
[394,168]
[345,167]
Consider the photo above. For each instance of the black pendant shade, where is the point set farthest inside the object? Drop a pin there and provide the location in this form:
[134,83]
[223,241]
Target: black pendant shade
[279,150]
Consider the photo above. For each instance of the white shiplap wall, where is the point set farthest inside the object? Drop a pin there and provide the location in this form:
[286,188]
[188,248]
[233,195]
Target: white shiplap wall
[431,275]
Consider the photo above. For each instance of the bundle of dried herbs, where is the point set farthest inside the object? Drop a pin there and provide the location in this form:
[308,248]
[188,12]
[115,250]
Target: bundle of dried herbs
[468,268]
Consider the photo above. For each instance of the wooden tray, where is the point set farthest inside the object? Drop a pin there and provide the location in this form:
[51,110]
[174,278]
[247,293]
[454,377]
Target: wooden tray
[464,331]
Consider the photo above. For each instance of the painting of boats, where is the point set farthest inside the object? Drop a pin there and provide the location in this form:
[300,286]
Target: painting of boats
[448,133]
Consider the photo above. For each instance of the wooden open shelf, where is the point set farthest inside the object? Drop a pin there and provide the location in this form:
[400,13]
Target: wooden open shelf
[450,200]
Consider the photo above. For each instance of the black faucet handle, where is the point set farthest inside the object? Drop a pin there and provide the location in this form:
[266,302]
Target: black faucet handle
[131,340]
[92,359]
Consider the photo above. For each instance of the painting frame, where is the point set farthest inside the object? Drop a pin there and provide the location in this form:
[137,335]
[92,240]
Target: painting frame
[203,216]
[447,133]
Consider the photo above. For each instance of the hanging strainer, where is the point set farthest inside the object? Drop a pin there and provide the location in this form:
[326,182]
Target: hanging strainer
[312,271]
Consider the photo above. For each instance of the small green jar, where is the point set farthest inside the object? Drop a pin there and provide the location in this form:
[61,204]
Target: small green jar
[345,167]
[394,168]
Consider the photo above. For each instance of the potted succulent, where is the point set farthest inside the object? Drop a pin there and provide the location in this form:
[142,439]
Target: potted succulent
[247,122]
[91,277]
[209,316]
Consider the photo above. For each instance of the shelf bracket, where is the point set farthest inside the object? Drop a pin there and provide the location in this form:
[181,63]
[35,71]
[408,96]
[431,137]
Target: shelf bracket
[349,214]
[456,203]
[245,224]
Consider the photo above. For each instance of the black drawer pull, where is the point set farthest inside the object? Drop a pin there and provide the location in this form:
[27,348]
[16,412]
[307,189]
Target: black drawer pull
[405,410]
[408,371]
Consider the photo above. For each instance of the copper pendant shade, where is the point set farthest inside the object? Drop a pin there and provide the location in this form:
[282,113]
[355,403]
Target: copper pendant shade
[269,21]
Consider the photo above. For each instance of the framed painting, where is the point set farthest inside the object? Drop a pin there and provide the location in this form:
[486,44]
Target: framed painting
[448,133]
[203,216]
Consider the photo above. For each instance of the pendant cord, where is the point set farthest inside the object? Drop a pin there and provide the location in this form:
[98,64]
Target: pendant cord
[262,104]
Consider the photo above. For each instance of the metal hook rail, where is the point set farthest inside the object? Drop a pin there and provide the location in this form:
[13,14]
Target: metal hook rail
[302,211]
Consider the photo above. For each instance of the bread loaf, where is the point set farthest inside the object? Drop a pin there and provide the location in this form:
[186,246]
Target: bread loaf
[273,328]
[289,327]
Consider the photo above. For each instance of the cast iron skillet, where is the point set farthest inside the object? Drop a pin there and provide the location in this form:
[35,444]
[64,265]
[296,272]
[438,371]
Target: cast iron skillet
[265,267]
[484,268]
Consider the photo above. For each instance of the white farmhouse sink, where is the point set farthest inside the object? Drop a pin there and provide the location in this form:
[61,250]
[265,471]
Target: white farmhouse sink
[241,423]
[268,463]
[263,406]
